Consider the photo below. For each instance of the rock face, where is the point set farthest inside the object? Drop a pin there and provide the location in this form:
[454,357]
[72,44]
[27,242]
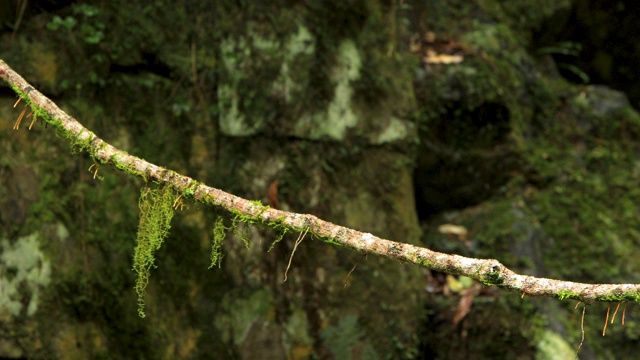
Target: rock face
[330,127]
[393,119]
[305,108]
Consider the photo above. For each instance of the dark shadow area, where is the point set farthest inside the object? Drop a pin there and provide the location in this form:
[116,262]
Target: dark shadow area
[463,159]
[13,13]
[596,42]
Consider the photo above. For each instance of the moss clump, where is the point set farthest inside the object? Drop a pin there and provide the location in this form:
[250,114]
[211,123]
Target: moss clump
[424,262]
[191,189]
[626,296]
[219,233]
[566,294]
[156,211]
[282,232]
[493,279]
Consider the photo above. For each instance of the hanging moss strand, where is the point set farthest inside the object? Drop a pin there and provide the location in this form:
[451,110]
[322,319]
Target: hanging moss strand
[156,211]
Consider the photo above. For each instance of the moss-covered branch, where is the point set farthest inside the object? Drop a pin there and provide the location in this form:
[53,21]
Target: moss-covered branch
[488,271]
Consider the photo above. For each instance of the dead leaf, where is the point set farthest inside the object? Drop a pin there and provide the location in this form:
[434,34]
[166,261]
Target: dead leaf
[273,194]
[453,284]
[455,231]
[433,57]
[464,307]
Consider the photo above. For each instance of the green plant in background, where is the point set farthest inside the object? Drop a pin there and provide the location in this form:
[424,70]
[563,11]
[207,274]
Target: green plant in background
[156,211]
[58,22]
[569,49]
[341,339]
[91,31]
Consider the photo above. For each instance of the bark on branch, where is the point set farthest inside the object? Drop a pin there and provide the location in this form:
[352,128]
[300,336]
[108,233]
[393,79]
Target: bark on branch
[488,271]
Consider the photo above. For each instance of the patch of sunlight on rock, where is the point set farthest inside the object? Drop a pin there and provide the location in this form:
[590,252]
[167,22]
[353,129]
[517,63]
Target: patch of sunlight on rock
[240,313]
[552,346]
[396,130]
[301,43]
[339,115]
[232,122]
[25,270]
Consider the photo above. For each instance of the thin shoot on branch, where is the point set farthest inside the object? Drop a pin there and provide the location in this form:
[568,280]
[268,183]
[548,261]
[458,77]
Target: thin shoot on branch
[295,246]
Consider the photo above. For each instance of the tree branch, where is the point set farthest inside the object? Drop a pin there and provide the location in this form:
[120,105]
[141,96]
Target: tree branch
[488,271]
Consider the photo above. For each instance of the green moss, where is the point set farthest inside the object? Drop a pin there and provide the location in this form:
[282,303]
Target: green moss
[37,112]
[424,262]
[259,204]
[278,238]
[242,232]
[156,211]
[566,294]
[492,279]
[327,239]
[127,168]
[626,296]
[280,229]
[219,233]
[78,145]
[191,189]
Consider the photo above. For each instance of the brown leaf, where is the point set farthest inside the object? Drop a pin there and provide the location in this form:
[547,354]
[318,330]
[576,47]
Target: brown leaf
[464,307]
[273,194]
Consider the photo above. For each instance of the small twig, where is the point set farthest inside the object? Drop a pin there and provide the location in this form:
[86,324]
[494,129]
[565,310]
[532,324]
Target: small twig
[346,279]
[19,17]
[615,312]
[624,311]
[95,173]
[295,246]
[17,124]
[178,203]
[17,102]
[33,119]
[581,330]
[604,329]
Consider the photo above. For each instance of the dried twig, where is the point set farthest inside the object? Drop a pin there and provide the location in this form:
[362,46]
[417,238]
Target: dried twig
[604,329]
[295,246]
[584,308]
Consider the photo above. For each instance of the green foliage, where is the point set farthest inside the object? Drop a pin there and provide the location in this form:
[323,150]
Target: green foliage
[191,190]
[241,232]
[278,238]
[343,337]
[78,145]
[566,294]
[84,15]
[156,211]
[57,22]
[219,233]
